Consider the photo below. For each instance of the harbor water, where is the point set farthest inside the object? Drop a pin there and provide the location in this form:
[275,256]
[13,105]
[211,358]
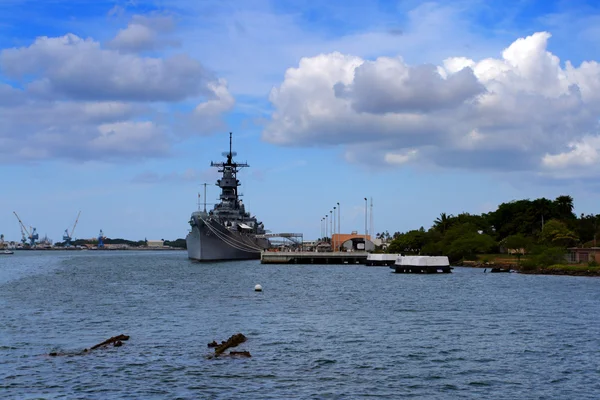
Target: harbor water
[314,332]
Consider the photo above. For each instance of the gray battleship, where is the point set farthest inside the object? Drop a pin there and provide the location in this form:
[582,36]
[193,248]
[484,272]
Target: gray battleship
[227,232]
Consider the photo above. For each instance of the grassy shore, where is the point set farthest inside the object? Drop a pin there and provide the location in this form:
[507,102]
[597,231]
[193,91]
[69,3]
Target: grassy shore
[565,269]
[512,262]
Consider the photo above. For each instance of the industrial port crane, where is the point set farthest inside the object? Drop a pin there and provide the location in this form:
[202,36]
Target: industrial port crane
[67,237]
[23,237]
[101,238]
[33,235]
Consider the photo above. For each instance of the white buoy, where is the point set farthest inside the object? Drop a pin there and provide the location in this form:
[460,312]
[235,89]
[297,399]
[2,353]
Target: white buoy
[258,288]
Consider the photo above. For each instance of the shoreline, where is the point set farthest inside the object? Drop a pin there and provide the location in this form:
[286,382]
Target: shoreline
[558,269]
[128,249]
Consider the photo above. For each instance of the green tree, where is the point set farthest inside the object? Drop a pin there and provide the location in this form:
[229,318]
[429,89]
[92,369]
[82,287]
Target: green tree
[588,228]
[409,242]
[542,210]
[512,218]
[544,256]
[518,242]
[557,234]
[464,241]
[468,246]
[178,243]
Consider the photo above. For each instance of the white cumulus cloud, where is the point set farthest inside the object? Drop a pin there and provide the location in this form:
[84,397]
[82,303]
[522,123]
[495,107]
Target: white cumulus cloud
[522,111]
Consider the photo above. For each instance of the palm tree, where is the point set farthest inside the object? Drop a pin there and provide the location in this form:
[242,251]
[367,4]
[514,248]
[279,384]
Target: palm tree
[442,223]
[564,206]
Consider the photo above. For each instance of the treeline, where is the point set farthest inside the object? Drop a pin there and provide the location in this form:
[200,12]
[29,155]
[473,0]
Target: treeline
[179,243]
[542,228]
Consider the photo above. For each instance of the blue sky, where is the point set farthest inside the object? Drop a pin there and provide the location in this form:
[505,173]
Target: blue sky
[116,108]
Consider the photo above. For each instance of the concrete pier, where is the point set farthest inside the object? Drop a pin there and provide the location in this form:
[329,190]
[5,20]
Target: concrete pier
[312,257]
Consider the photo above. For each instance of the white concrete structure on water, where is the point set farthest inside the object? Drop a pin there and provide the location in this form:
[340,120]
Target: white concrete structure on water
[423,261]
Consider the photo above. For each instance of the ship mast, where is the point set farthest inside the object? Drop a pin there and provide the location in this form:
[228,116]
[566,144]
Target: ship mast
[229,182]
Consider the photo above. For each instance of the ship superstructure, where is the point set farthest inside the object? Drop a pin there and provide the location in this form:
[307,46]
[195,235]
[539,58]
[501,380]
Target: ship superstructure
[228,231]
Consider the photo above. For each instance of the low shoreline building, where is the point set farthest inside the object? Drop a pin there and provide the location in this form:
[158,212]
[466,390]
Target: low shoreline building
[579,255]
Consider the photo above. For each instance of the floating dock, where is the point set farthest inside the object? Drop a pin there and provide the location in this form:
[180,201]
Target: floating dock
[313,257]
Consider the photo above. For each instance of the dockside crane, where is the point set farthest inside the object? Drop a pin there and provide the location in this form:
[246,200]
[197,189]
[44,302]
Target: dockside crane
[101,238]
[33,235]
[23,237]
[67,237]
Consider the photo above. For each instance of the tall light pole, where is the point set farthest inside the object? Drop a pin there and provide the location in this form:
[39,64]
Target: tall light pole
[331,223]
[334,224]
[321,228]
[326,223]
[339,218]
[371,217]
[366,219]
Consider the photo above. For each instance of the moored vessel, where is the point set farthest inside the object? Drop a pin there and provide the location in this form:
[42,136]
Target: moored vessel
[228,231]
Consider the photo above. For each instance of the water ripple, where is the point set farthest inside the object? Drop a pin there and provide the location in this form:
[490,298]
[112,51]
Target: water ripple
[315,332]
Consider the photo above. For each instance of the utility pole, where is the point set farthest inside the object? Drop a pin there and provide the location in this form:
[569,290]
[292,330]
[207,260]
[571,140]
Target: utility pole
[366,231]
[371,218]
[331,223]
[334,226]
[321,235]
[339,218]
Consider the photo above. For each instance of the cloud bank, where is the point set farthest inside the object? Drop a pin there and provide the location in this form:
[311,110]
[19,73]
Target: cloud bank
[74,98]
[523,111]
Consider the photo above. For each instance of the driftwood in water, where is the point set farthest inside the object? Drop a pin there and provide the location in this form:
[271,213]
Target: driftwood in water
[116,341]
[233,341]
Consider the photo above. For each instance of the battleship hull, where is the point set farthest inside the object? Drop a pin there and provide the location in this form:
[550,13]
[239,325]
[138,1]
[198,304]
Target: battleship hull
[220,244]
